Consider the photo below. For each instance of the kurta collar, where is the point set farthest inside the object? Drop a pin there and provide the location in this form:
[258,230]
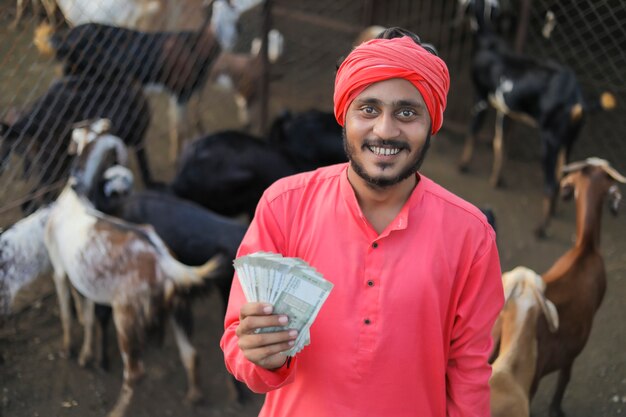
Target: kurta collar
[401,221]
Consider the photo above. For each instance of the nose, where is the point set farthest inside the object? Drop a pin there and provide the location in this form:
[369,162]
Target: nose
[386,126]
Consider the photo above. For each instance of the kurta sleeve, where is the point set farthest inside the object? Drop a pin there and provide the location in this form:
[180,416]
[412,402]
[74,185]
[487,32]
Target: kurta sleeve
[481,300]
[264,234]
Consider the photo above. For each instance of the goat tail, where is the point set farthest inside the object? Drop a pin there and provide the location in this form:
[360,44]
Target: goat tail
[604,102]
[43,40]
[186,276]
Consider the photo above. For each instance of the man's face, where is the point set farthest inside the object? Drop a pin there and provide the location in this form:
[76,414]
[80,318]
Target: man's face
[387,132]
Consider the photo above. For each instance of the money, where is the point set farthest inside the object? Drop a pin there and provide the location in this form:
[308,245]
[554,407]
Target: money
[291,285]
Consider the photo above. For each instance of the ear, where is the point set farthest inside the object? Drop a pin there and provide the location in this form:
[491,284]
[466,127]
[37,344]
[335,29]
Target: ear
[615,197]
[510,284]
[548,308]
[567,187]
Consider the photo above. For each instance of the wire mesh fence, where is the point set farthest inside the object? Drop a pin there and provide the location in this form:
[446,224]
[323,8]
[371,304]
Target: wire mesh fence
[587,36]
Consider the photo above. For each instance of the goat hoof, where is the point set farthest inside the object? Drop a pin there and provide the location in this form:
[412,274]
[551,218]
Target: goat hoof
[463,167]
[540,233]
[556,412]
[84,359]
[496,182]
[194,396]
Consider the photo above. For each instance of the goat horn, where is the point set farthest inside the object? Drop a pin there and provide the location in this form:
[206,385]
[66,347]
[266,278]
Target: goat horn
[574,166]
[597,162]
[614,174]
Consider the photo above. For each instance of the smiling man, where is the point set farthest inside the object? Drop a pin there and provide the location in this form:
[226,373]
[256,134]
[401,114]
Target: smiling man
[417,282]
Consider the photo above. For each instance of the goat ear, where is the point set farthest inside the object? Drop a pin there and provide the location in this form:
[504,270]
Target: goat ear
[615,198]
[567,187]
[549,310]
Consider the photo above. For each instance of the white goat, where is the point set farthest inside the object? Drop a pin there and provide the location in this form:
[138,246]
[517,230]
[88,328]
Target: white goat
[116,263]
[514,369]
[23,256]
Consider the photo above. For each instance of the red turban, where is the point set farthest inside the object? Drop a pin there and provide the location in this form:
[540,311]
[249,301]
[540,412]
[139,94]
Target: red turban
[383,59]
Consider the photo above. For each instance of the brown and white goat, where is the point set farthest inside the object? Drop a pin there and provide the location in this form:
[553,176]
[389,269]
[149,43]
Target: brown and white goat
[116,263]
[576,283]
[513,371]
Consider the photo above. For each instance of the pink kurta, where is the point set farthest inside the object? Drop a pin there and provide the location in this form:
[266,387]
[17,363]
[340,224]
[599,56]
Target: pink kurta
[406,328]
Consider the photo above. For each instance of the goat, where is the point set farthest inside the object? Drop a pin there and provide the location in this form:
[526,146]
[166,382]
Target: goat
[154,15]
[123,13]
[42,134]
[183,226]
[513,371]
[23,256]
[50,7]
[177,62]
[228,171]
[241,73]
[116,263]
[544,95]
[576,282]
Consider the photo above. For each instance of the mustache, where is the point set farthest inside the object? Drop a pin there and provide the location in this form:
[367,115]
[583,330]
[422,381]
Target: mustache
[386,142]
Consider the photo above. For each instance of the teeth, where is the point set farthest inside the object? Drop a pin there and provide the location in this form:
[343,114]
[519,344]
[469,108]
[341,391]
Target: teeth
[384,151]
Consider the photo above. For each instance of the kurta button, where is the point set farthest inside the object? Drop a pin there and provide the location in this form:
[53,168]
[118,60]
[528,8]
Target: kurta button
[370,283]
[367,321]
[375,245]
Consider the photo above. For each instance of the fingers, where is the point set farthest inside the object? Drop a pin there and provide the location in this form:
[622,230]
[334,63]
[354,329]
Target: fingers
[264,349]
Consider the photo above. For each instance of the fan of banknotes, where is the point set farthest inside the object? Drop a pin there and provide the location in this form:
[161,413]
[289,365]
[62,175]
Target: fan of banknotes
[291,285]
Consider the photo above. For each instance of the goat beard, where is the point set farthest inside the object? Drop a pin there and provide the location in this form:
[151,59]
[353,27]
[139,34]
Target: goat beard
[375,182]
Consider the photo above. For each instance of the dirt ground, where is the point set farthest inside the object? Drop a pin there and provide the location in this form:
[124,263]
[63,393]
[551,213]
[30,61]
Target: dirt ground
[35,380]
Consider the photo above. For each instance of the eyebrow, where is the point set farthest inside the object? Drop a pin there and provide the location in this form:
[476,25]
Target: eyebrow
[395,104]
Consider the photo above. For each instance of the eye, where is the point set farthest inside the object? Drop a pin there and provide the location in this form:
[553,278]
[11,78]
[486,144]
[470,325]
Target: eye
[368,110]
[407,114]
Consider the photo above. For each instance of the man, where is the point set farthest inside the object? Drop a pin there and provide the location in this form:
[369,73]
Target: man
[417,282]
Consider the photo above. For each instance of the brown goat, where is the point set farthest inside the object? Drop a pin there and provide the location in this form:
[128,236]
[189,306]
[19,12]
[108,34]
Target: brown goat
[576,283]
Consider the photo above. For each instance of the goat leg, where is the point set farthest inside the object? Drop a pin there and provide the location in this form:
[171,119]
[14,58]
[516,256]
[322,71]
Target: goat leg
[103,315]
[550,159]
[126,394]
[86,352]
[479,112]
[63,294]
[124,317]
[178,127]
[498,151]
[562,381]
[189,357]
[19,11]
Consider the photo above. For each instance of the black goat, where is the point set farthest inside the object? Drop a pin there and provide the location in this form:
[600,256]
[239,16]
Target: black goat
[228,171]
[543,94]
[178,62]
[42,134]
[311,139]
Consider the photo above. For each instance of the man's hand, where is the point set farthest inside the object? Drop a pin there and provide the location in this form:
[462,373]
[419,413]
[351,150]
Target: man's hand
[263,349]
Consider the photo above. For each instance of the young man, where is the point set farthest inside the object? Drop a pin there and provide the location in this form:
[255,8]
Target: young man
[417,281]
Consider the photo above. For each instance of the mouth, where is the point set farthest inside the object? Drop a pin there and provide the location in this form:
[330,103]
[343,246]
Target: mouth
[384,151]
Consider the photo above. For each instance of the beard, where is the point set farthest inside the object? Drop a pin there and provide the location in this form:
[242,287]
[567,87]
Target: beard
[384,182]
